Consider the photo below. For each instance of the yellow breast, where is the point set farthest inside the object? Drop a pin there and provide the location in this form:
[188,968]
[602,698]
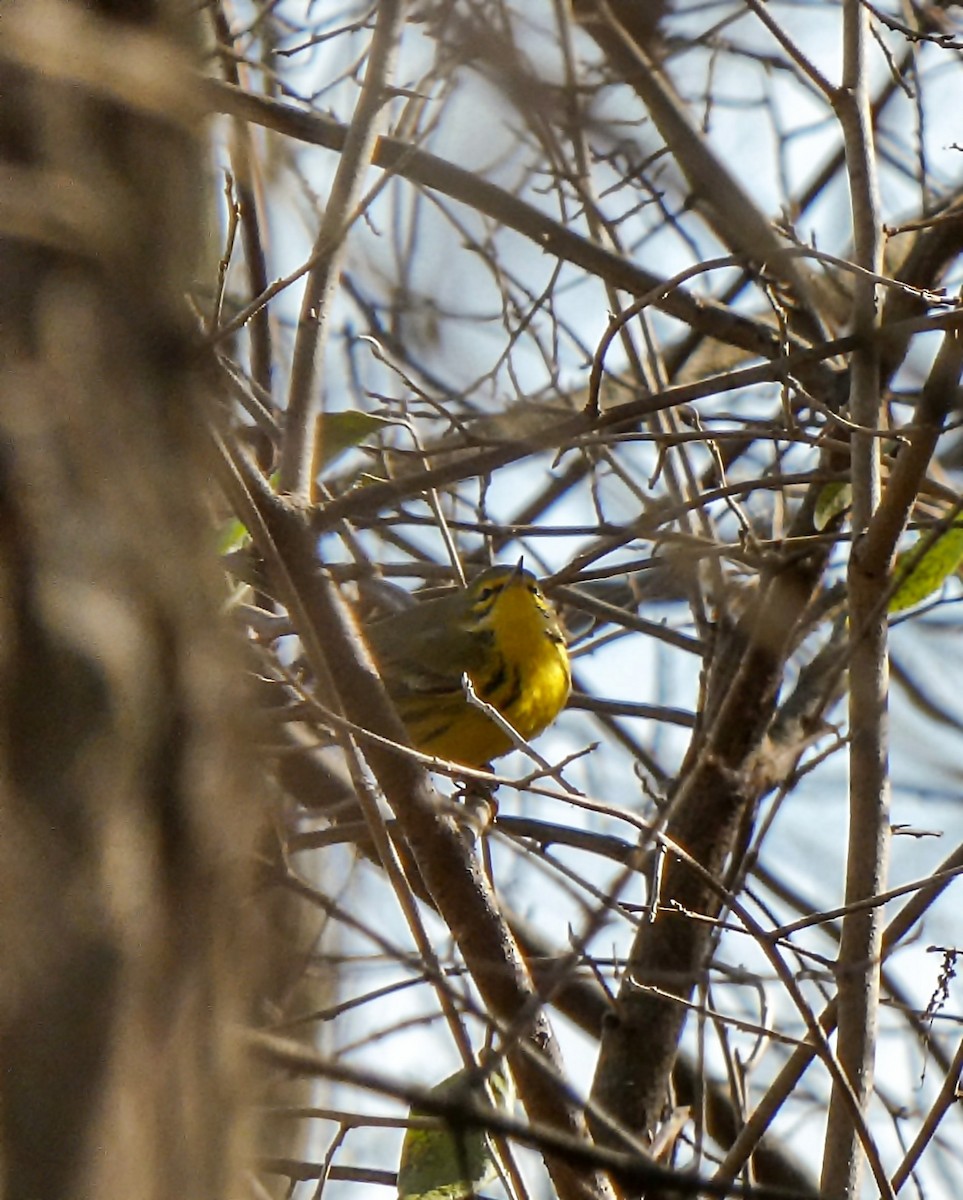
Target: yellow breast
[525,676]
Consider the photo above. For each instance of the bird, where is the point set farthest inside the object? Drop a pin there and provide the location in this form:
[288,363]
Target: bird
[502,634]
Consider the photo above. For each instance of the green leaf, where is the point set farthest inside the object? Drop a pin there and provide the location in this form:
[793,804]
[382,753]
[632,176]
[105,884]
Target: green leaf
[923,573]
[832,500]
[233,533]
[452,1162]
[341,431]
[232,536]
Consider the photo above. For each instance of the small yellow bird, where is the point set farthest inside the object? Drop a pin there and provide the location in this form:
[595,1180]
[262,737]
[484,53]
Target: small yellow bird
[504,635]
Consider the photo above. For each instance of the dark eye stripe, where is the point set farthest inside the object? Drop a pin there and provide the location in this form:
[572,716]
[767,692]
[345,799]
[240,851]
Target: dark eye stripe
[486,599]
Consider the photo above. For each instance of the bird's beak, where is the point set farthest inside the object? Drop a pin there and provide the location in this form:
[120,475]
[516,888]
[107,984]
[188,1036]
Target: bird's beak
[519,568]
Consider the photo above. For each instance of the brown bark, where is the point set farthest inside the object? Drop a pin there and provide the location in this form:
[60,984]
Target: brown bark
[127,819]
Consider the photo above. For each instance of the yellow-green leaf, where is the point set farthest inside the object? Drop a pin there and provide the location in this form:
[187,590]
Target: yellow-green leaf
[233,533]
[341,431]
[832,500]
[921,573]
[452,1162]
[232,536]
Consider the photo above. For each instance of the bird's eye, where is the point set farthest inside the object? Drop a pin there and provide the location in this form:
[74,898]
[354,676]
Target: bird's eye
[487,591]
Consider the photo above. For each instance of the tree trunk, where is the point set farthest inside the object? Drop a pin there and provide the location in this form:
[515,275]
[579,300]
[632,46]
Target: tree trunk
[126,815]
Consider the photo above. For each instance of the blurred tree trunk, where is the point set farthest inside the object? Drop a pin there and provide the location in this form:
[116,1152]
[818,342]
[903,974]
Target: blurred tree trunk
[126,814]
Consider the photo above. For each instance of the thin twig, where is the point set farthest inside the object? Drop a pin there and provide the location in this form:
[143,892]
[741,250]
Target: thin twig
[304,395]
